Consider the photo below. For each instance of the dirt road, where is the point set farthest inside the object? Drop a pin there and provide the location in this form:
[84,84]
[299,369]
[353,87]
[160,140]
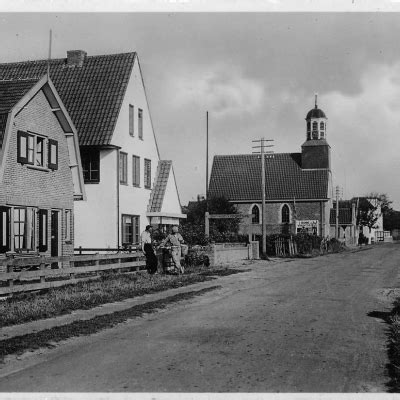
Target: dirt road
[305,325]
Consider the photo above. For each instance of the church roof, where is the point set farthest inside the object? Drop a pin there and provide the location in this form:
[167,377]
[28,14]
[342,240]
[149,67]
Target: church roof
[92,93]
[238,178]
[315,113]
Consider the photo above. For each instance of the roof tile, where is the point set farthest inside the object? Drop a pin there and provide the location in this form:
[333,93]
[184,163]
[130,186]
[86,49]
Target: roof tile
[238,178]
[92,94]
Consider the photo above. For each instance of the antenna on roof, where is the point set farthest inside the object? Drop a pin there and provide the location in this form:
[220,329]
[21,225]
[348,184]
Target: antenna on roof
[48,61]
[316,100]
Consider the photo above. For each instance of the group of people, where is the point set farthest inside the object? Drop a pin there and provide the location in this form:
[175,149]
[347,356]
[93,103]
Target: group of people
[174,240]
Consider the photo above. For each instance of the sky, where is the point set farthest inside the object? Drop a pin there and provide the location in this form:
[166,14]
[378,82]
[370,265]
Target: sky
[256,74]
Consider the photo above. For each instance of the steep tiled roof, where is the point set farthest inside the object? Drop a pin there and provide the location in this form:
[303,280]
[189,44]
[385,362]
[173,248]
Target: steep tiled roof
[160,185]
[92,93]
[11,91]
[238,178]
[345,212]
[344,216]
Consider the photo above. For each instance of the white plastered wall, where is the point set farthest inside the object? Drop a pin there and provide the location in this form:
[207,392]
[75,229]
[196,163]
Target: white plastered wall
[96,218]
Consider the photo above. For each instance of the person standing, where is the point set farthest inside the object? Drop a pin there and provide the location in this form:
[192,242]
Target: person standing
[175,239]
[147,248]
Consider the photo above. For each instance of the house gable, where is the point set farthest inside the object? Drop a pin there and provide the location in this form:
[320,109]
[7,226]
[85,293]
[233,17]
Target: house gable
[38,112]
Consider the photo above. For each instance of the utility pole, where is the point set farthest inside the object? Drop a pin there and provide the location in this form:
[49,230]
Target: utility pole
[207,159]
[262,151]
[337,212]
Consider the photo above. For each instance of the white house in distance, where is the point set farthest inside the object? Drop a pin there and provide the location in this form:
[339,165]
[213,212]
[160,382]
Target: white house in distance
[127,185]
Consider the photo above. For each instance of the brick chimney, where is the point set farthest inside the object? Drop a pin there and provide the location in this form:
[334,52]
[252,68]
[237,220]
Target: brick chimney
[75,58]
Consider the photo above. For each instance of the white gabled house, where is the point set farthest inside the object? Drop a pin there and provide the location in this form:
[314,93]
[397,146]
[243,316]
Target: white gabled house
[127,185]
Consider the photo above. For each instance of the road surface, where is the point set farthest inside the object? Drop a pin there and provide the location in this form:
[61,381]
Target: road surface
[304,325]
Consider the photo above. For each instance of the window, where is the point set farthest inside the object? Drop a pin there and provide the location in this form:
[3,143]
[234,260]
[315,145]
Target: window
[315,126]
[31,150]
[91,164]
[285,214]
[68,225]
[256,215]
[322,126]
[123,168]
[130,229]
[53,154]
[147,173]
[4,229]
[24,228]
[131,120]
[136,171]
[43,230]
[140,123]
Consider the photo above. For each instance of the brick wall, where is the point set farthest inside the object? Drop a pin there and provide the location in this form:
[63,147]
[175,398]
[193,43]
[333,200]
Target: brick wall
[46,189]
[304,210]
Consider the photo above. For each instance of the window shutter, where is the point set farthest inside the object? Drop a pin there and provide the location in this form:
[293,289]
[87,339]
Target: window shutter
[4,229]
[53,154]
[43,230]
[22,147]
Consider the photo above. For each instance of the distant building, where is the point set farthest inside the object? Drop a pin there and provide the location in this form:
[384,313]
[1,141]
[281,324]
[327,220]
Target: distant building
[40,169]
[347,221]
[127,184]
[297,185]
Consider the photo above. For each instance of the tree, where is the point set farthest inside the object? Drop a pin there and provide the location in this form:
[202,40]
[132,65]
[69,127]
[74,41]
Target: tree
[382,200]
[219,228]
[368,214]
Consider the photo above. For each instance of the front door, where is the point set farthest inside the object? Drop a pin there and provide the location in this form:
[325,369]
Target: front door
[54,236]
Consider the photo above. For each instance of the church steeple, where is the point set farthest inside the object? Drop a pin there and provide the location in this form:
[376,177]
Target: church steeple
[315,151]
[316,122]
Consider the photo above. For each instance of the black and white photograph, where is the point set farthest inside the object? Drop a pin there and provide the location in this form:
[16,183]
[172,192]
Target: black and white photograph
[199,201]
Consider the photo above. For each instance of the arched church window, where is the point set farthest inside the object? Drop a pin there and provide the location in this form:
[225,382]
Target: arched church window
[315,126]
[285,214]
[256,215]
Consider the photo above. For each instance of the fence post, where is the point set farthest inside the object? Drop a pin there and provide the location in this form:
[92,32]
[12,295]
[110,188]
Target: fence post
[10,269]
[207,223]
[42,267]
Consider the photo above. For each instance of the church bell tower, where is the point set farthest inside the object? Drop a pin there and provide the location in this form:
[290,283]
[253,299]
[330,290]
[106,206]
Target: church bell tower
[315,151]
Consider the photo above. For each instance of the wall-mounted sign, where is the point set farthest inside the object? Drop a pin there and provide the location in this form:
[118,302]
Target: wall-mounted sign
[307,226]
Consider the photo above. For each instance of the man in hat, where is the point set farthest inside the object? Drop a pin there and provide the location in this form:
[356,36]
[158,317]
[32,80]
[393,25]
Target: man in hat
[147,248]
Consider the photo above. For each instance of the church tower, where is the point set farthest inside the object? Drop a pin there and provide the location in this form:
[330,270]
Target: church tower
[315,151]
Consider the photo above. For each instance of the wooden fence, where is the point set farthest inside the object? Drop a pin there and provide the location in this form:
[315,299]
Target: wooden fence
[28,274]
[284,247]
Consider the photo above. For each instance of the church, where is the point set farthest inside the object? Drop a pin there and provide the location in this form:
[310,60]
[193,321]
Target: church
[298,186]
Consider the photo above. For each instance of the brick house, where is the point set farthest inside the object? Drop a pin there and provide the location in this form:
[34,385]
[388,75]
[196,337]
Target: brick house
[298,186]
[126,183]
[40,169]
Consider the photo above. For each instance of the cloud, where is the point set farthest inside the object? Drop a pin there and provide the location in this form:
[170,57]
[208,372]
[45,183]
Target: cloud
[222,89]
[364,132]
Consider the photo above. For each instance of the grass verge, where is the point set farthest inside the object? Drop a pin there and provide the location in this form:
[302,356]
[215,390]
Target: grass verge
[48,337]
[86,295]
[394,348]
